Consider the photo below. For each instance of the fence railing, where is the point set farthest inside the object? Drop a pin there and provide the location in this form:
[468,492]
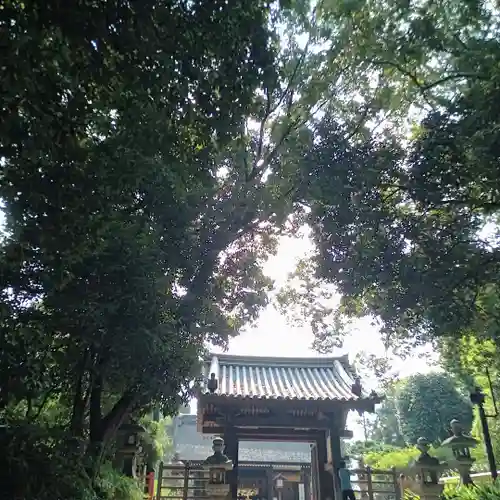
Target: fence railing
[477,477]
[181,482]
[189,482]
[376,484]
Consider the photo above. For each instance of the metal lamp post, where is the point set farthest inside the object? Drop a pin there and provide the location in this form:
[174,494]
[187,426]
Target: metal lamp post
[477,397]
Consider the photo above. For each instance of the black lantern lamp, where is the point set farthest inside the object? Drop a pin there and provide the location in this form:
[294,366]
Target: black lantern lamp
[477,397]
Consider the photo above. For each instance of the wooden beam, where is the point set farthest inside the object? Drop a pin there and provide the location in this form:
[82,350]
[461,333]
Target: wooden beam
[274,433]
[313,405]
[256,466]
[278,420]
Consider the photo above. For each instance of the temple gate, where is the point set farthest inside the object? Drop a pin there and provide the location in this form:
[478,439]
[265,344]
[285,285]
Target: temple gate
[283,399]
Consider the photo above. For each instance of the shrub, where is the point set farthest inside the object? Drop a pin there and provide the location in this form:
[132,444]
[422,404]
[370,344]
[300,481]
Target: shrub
[114,486]
[399,458]
[35,464]
[479,492]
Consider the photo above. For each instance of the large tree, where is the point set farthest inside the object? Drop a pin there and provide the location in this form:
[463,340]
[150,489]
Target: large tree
[426,404]
[383,429]
[399,226]
[128,217]
[149,161]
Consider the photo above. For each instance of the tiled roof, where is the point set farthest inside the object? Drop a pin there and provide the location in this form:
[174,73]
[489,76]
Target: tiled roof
[282,378]
[192,445]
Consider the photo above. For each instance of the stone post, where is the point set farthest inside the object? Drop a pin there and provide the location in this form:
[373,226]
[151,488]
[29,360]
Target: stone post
[217,465]
[460,445]
[129,448]
[423,475]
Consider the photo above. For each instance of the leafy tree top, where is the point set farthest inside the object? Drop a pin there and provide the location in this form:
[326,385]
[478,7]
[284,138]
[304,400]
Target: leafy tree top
[426,404]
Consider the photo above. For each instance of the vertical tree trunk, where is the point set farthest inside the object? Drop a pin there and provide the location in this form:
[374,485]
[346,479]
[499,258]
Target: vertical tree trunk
[103,429]
[79,400]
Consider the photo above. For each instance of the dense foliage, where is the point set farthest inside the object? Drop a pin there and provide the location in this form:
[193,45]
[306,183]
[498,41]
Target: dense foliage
[416,406]
[468,360]
[480,492]
[400,458]
[390,219]
[426,404]
[121,192]
[153,152]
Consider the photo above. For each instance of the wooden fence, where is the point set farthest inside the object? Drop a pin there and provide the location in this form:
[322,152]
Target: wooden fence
[188,482]
[376,484]
[181,482]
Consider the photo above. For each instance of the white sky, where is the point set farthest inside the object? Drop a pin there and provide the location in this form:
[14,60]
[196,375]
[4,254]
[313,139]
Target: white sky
[273,335]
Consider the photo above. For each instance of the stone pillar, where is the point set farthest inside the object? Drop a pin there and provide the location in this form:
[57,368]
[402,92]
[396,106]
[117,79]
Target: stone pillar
[218,466]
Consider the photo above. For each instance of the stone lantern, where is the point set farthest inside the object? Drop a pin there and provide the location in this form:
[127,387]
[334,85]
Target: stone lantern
[129,448]
[217,464]
[424,474]
[279,483]
[460,445]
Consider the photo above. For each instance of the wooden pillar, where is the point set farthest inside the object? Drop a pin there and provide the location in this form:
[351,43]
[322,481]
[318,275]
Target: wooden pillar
[335,457]
[306,479]
[315,473]
[326,487]
[269,483]
[231,449]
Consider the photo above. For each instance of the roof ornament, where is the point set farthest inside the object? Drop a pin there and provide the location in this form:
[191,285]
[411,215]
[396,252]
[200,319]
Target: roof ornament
[212,383]
[356,388]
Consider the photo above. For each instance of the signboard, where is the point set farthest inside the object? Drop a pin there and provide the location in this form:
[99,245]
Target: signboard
[293,477]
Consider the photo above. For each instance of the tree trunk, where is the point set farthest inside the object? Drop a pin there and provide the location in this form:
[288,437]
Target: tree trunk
[103,429]
[79,400]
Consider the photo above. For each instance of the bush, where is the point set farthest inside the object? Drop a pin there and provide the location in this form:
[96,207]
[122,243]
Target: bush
[38,464]
[479,492]
[399,458]
[114,486]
